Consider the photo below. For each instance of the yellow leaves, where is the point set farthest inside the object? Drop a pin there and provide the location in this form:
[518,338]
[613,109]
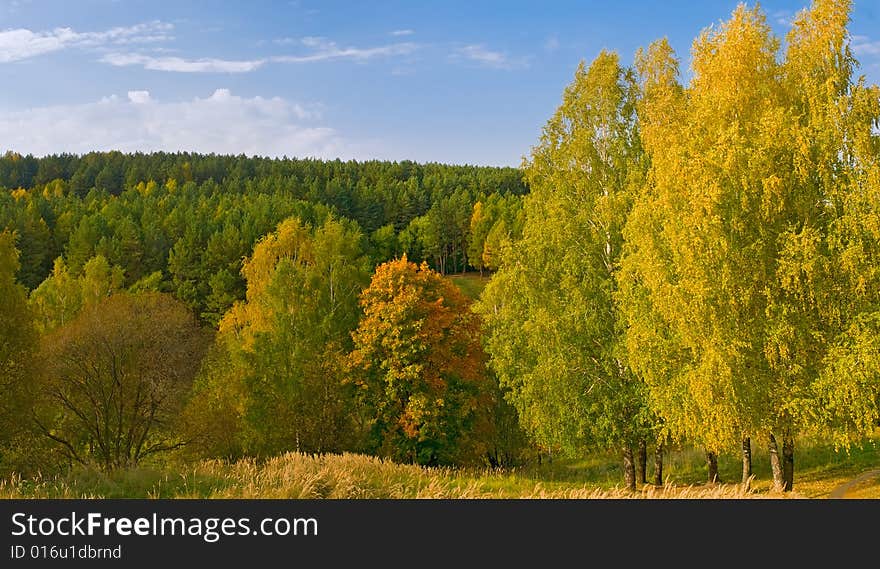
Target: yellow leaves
[296,272]
[149,188]
[243,321]
[736,239]
[19,194]
[733,65]
[773,198]
[801,263]
[817,45]
[477,215]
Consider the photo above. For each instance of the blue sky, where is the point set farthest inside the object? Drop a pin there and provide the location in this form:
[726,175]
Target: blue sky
[468,82]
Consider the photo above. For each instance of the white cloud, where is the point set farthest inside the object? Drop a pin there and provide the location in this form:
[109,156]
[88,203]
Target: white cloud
[19,44]
[863,46]
[223,123]
[22,43]
[324,49]
[480,54]
[783,17]
[398,33]
[178,64]
[552,44]
[139,97]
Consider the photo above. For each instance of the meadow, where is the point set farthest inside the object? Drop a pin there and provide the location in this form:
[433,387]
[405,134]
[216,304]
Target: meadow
[354,476]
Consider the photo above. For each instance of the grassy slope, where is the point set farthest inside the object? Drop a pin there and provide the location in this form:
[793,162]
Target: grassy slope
[471,284]
[818,470]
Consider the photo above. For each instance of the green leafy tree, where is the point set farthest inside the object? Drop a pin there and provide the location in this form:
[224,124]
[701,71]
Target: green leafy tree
[57,300]
[554,332]
[33,241]
[99,280]
[283,346]
[18,363]
[60,298]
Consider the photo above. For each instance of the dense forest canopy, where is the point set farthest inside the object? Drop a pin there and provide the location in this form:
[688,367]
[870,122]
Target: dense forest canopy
[183,222]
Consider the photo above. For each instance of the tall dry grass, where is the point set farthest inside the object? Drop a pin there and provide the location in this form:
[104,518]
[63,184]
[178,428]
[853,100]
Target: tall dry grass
[345,476]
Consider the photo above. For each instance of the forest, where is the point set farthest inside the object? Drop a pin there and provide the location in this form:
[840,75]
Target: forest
[684,257]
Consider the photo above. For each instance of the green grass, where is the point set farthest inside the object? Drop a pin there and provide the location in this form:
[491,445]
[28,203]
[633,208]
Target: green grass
[471,284]
[818,470]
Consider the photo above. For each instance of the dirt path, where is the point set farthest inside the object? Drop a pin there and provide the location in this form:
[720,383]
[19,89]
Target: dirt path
[840,491]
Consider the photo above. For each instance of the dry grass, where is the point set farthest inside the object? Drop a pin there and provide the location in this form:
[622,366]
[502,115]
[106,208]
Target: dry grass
[347,476]
[868,492]
[868,489]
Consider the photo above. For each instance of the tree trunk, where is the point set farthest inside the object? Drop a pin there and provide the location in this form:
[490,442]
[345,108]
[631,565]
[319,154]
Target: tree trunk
[658,465]
[629,469]
[747,462]
[712,466]
[787,462]
[775,465]
[642,462]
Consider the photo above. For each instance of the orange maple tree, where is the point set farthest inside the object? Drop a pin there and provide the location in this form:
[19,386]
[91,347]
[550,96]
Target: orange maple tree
[419,365]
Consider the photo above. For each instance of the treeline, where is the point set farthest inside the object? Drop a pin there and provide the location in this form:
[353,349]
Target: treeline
[182,223]
[700,261]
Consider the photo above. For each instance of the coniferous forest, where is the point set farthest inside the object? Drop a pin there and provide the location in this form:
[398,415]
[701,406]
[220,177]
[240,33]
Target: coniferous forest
[689,256]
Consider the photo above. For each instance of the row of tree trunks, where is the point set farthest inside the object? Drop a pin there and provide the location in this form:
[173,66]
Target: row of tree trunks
[781,467]
[635,465]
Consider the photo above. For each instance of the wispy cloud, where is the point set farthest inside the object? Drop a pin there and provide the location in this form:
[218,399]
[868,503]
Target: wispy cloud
[783,17]
[482,55]
[551,44]
[222,123]
[863,46]
[181,65]
[19,44]
[398,33]
[323,49]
